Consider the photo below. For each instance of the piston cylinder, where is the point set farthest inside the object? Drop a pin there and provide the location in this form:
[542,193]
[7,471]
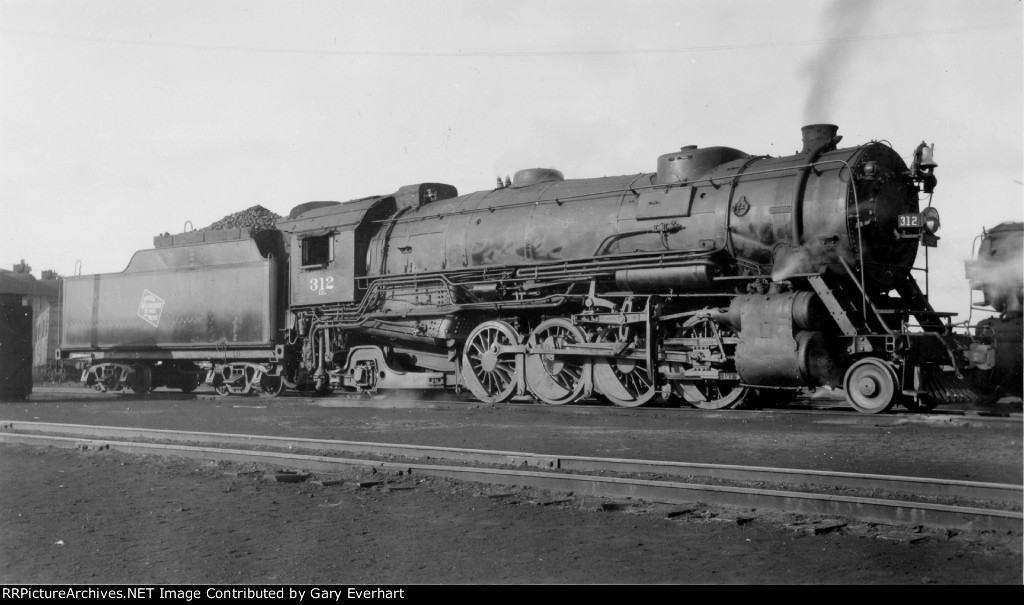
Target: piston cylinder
[780,342]
[804,310]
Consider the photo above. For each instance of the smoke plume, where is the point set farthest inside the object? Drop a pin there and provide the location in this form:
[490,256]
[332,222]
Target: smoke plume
[826,71]
[1000,279]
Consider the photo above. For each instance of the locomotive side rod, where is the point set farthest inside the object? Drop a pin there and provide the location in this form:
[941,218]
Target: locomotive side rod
[867,509]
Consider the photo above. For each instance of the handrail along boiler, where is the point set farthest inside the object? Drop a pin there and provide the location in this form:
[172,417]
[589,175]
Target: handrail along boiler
[719,279]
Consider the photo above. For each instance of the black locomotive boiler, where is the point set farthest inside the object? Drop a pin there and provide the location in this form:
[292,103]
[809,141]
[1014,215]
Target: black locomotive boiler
[718,280]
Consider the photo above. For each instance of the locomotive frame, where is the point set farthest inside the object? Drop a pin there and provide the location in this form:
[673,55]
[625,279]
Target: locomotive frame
[722,279]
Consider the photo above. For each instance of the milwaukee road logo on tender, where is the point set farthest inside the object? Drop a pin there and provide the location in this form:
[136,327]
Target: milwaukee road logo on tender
[150,308]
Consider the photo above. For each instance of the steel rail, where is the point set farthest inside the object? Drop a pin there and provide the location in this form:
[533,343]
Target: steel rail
[867,509]
[996,492]
[827,410]
[1012,494]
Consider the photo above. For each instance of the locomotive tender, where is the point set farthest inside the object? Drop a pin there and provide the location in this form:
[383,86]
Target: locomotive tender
[720,279]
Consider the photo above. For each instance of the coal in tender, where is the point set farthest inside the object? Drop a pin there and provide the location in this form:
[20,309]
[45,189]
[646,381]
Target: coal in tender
[254,219]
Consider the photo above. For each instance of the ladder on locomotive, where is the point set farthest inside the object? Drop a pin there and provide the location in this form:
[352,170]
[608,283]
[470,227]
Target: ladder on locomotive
[856,314]
[852,321]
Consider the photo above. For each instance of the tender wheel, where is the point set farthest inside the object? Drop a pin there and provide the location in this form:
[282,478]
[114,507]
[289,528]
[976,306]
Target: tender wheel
[271,386]
[142,379]
[186,377]
[235,380]
[189,383]
[249,373]
[871,386]
[554,379]
[708,394]
[489,368]
[111,381]
[624,382]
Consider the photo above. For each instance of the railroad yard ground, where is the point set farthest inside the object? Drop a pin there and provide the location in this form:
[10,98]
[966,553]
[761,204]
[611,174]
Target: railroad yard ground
[96,516]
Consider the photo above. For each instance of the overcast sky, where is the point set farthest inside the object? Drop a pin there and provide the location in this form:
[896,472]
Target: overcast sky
[123,119]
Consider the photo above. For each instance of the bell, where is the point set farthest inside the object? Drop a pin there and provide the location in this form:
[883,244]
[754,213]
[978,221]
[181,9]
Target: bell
[925,156]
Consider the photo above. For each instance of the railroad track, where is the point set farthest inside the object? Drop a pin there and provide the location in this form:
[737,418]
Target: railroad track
[910,500]
[826,409]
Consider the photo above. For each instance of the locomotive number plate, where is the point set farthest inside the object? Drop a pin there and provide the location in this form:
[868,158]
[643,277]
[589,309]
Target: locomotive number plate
[910,221]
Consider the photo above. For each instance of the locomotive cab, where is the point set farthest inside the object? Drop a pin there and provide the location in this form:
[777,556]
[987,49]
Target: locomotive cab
[322,242]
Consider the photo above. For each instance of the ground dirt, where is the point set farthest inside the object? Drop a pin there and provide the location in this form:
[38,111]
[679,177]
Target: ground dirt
[94,516]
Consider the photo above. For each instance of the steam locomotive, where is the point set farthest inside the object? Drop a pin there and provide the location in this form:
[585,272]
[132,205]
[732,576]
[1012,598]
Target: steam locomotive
[998,272]
[720,279]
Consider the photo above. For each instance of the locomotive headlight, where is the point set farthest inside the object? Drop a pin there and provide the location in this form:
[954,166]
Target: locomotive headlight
[930,218]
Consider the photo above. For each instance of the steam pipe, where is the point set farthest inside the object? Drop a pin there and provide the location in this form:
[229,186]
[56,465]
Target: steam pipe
[664,229]
[319,347]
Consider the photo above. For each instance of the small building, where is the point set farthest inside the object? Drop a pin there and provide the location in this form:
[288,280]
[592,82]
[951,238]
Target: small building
[39,297]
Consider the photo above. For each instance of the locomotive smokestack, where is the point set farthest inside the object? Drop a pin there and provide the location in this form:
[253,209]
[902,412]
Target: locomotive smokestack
[817,134]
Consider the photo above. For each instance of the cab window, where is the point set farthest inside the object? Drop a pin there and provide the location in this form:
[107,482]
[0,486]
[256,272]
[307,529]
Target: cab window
[317,251]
